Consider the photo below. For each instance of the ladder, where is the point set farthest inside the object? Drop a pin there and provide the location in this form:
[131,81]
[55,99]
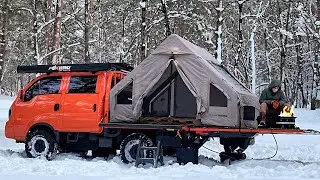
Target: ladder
[157,155]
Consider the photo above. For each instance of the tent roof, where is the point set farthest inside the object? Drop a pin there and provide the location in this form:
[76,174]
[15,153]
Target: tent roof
[176,45]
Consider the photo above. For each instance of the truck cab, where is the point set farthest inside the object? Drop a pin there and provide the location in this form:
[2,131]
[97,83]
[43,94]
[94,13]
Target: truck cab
[62,101]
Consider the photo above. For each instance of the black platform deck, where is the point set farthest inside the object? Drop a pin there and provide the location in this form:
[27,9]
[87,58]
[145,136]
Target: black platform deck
[202,130]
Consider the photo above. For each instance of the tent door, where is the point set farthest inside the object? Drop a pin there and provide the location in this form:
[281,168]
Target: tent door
[184,102]
[160,104]
[171,98]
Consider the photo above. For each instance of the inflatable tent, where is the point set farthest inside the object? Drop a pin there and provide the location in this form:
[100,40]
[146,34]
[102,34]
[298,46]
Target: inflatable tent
[182,80]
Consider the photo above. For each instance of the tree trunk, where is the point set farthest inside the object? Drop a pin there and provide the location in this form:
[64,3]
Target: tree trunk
[267,55]
[253,58]
[86,32]
[318,12]
[143,29]
[283,39]
[237,71]
[122,37]
[57,33]
[36,54]
[47,17]
[299,73]
[166,17]
[310,87]
[218,50]
[317,52]
[100,30]
[3,37]
[240,39]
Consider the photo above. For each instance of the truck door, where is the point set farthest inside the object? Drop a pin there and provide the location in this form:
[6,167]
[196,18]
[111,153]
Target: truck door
[40,104]
[81,106]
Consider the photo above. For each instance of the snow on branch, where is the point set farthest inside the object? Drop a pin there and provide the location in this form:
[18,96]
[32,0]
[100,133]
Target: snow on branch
[286,33]
[44,25]
[241,1]
[25,9]
[72,15]
[220,9]
[143,4]
[63,47]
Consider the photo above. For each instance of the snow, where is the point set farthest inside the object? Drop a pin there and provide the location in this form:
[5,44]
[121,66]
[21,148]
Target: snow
[220,9]
[300,7]
[5,103]
[286,33]
[317,23]
[298,158]
[208,10]
[241,2]
[79,33]
[143,4]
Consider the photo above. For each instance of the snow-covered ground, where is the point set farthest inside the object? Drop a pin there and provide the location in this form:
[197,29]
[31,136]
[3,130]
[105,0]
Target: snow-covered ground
[298,158]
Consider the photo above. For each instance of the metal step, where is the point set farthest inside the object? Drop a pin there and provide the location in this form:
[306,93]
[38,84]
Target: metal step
[157,155]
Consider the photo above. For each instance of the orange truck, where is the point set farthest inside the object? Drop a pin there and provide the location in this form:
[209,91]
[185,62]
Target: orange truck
[66,109]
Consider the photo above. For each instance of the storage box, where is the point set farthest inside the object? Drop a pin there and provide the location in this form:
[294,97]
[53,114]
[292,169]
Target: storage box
[186,155]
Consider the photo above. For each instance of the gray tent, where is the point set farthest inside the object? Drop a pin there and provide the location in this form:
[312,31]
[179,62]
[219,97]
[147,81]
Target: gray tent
[179,79]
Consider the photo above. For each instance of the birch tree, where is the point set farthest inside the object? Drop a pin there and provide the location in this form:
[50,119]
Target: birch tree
[218,51]
[47,17]
[238,59]
[283,37]
[3,36]
[143,30]
[166,17]
[256,18]
[86,32]
[36,53]
[56,59]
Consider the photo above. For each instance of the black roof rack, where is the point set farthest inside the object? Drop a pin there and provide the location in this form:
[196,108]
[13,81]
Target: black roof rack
[94,67]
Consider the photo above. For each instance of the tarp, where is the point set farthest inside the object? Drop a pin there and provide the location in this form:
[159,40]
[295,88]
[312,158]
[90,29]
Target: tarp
[220,100]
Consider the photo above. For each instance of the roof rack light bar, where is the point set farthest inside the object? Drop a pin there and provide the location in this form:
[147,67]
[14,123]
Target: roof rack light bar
[95,67]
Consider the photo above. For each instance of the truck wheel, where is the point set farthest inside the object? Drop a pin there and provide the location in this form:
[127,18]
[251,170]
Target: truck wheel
[41,143]
[129,147]
[231,144]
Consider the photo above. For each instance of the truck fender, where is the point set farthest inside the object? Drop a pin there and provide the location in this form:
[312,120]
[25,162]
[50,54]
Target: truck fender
[47,127]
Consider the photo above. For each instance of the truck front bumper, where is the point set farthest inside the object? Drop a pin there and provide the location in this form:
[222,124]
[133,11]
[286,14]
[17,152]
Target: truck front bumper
[9,130]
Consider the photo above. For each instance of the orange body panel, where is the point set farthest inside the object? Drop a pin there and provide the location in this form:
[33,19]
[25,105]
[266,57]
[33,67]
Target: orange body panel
[77,112]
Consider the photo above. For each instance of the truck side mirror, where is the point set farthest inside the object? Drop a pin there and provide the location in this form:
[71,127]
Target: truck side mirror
[21,94]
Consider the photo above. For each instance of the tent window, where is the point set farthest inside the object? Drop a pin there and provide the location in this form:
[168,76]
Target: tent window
[125,96]
[217,98]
